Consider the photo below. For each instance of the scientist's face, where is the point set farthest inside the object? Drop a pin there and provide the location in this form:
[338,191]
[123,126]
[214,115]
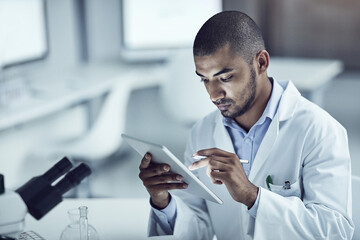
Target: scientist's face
[229,80]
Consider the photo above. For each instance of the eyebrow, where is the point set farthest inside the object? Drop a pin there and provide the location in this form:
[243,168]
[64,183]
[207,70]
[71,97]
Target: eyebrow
[224,70]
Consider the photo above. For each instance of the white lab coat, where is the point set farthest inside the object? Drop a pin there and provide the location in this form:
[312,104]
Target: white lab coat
[303,145]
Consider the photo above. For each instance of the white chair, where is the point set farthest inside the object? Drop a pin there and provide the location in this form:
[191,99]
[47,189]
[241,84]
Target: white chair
[100,142]
[104,137]
[183,96]
[356,206]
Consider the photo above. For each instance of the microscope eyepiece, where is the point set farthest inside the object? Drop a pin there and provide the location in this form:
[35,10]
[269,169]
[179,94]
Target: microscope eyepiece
[61,167]
[73,178]
[2,184]
[40,196]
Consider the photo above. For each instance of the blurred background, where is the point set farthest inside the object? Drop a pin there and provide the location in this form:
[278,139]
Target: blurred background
[75,74]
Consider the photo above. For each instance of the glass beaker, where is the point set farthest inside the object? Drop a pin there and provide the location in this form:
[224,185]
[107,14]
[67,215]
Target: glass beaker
[79,226]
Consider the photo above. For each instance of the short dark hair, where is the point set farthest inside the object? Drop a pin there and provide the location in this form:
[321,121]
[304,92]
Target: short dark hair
[229,27]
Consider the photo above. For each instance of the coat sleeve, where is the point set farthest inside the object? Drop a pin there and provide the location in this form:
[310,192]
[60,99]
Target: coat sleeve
[324,209]
[192,218]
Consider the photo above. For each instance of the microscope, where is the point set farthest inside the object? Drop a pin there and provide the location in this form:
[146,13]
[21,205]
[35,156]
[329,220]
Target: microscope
[37,196]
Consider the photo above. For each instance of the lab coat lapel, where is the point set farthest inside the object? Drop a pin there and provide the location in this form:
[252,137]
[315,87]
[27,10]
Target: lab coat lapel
[265,147]
[222,138]
[285,111]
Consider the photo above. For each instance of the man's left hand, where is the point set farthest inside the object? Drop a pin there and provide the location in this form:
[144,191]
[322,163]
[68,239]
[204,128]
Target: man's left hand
[225,167]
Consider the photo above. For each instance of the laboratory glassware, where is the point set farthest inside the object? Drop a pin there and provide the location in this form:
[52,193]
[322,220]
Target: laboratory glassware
[79,228]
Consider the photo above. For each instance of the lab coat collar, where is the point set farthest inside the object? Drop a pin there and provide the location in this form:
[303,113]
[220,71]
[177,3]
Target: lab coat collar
[222,138]
[288,100]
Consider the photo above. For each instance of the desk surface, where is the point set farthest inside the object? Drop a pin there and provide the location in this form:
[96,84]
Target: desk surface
[306,74]
[112,218]
[54,90]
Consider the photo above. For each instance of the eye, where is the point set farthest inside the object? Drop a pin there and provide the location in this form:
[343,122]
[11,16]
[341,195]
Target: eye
[226,79]
[204,80]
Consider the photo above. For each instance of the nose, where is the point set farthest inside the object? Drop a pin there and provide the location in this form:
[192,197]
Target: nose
[215,91]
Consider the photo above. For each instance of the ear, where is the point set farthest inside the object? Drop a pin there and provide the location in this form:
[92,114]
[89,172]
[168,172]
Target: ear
[262,61]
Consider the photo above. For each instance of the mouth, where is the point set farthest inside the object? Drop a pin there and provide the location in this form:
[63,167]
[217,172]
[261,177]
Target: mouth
[223,107]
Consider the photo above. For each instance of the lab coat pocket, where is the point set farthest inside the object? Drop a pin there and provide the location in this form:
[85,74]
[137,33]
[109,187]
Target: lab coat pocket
[293,190]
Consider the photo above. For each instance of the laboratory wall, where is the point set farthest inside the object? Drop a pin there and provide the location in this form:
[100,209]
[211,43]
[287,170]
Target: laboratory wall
[63,34]
[307,28]
[103,28]
[19,144]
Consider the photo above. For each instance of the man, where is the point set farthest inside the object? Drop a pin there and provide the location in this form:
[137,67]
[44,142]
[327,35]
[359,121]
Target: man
[297,182]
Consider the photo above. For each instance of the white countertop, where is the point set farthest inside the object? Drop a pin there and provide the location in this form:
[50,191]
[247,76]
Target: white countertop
[112,218]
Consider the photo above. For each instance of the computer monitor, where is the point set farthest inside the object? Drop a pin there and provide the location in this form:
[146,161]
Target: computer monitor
[151,29]
[23,32]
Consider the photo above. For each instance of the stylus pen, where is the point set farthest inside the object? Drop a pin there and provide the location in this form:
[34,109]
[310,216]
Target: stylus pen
[198,157]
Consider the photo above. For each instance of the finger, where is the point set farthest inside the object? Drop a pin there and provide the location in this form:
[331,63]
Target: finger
[228,159]
[165,178]
[154,170]
[213,151]
[145,162]
[208,171]
[216,177]
[216,162]
[215,181]
[199,164]
[218,182]
[167,186]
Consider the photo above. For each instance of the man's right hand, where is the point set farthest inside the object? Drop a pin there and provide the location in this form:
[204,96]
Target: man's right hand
[158,179]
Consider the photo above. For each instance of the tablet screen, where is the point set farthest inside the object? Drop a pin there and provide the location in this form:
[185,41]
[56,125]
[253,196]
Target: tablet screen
[160,154]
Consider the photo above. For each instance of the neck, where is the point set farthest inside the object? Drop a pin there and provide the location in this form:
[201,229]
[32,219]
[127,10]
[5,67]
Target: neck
[248,119]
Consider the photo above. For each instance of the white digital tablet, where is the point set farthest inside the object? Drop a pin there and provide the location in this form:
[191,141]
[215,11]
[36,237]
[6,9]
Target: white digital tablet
[160,154]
